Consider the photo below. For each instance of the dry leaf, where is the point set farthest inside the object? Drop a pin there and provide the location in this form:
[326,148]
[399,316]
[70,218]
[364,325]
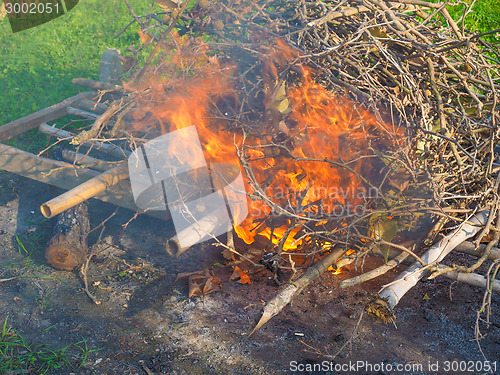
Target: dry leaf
[212,284]
[378,33]
[145,38]
[194,288]
[399,184]
[201,282]
[279,100]
[228,254]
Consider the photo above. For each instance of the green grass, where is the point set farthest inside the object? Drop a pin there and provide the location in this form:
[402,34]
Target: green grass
[38,64]
[32,264]
[484,16]
[16,354]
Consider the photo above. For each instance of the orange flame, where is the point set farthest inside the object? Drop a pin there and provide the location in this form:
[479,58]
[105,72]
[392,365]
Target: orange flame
[326,131]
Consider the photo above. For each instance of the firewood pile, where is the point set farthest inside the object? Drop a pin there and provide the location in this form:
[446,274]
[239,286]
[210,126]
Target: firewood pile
[361,128]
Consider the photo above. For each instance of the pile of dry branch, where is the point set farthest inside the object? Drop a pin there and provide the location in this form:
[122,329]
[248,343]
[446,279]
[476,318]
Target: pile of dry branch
[411,105]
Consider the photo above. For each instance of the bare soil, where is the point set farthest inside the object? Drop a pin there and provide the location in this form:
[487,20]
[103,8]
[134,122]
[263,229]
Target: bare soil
[146,324]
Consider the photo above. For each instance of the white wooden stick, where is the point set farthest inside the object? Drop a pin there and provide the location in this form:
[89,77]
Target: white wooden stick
[473,279]
[394,291]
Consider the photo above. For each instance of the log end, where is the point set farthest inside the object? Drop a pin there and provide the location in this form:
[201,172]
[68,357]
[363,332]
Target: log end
[65,257]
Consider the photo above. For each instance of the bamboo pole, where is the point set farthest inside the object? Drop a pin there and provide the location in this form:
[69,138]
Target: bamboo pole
[66,176]
[195,233]
[84,191]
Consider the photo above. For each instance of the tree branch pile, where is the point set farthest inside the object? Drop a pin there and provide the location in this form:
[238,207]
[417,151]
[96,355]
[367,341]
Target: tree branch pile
[417,117]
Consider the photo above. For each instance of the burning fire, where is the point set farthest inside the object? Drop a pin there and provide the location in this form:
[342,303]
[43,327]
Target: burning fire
[328,136]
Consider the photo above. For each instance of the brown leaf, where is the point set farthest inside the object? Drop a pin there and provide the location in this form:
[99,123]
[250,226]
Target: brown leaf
[227,254]
[378,33]
[212,284]
[399,184]
[194,288]
[145,38]
[201,282]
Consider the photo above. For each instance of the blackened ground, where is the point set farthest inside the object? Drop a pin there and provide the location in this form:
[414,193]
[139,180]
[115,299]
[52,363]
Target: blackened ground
[145,322]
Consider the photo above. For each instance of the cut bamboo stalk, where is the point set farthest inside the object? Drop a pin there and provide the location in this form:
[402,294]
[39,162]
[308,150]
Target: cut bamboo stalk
[51,113]
[274,306]
[391,294]
[65,176]
[107,148]
[197,232]
[84,191]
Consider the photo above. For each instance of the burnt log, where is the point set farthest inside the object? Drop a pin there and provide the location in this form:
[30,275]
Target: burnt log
[67,249]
